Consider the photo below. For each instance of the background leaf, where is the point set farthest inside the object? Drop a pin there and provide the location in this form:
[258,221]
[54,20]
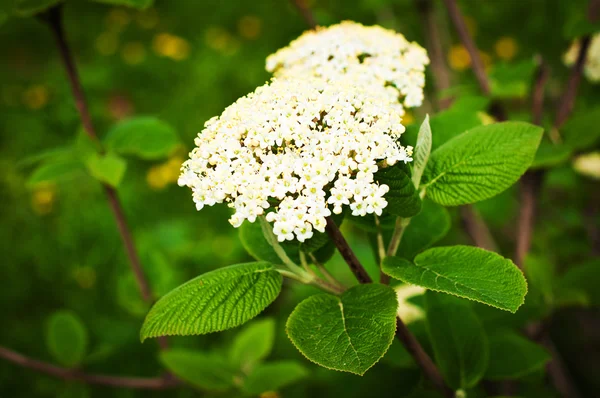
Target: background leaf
[464,271]
[218,300]
[581,130]
[349,333]
[109,168]
[481,163]
[252,344]
[272,376]
[425,229]
[146,137]
[513,356]
[67,338]
[403,199]
[206,371]
[458,340]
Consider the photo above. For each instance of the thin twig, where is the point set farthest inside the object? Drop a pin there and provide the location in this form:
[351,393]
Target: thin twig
[423,360]
[54,19]
[342,245]
[306,12]
[477,229]
[156,383]
[537,98]
[433,42]
[568,98]
[467,40]
[530,185]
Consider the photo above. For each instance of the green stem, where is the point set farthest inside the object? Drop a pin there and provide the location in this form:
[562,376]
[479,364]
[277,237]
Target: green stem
[324,272]
[272,239]
[401,224]
[380,243]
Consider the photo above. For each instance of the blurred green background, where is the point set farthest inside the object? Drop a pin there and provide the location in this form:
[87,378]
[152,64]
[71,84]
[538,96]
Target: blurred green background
[184,62]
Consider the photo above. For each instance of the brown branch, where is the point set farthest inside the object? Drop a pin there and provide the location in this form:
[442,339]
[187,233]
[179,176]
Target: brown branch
[423,360]
[342,245]
[157,383]
[467,40]
[530,185]
[537,98]
[306,12]
[568,98]
[54,19]
[433,42]
[477,229]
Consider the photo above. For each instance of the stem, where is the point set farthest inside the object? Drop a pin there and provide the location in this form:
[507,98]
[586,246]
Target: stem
[380,242]
[568,98]
[400,227]
[467,40]
[324,271]
[537,98]
[157,383]
[306,13]
[342,245]
[287,261]
[54,19]
[477,229]
[530,185]
[415,349]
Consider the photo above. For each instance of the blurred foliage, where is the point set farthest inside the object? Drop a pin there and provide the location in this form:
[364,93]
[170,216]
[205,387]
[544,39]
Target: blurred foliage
[182,62]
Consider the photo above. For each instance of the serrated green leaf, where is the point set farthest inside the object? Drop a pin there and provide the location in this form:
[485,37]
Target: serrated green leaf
[458,340]
[274,375]
[464,271]
[581,130]
[145,137]
[403,199]
[218,300]
[481,163]
[421,152]
[348,333]
[255,243]
[426,228]
[203,370]
[513,356]
[109,168]
[67,338]
[253,344]
[55,171]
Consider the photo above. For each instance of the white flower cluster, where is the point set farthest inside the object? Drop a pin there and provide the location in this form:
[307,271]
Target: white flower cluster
[592,62]
[296,150]
[373,54]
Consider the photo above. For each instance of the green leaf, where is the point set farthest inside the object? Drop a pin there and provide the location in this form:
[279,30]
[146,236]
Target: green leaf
[141,4]
[203,370]
[348,333]
[253,344]
[464,271]
[67,338]
[55,171]
[451,123]
[255,243]
[550,154]
[578,22]
[481,163]
[585,278]
[273,376]
[581,130]
[512,80]
[458,339]
[422,151]
[403,199]
[218,300]
[540,275]
[145,137]
[425,229]
[513,356]
[109,168]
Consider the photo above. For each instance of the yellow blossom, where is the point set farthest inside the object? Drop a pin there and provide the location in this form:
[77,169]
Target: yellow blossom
[171,46]
[458,57]
[36,97]
[147,19]
[133,53]
[249,27]
[107,43]
[506,48]
[85,277]
[43,198]
[118,19]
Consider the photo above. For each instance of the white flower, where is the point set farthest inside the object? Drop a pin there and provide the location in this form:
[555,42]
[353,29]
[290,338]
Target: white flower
[592,62]
[372,54]
[294,147]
